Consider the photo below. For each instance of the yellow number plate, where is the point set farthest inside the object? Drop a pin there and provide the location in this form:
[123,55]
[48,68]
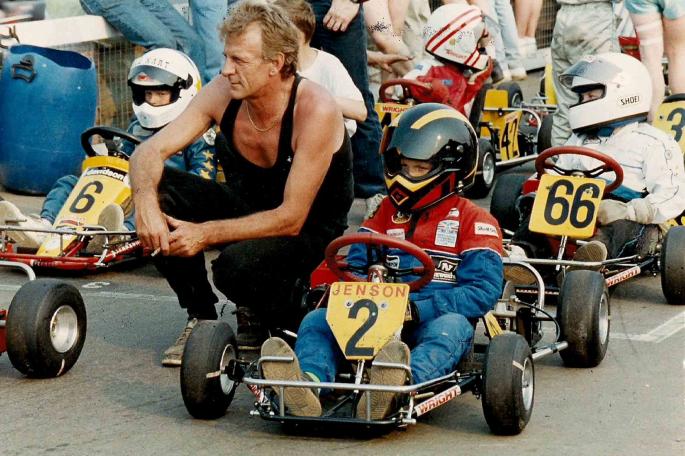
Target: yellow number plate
[104,181]
[365,316]
[566,206]
[506,124]
[387,112]
[670,118]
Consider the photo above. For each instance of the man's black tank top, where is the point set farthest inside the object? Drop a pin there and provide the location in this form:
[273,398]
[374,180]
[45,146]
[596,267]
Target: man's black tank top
[262,188]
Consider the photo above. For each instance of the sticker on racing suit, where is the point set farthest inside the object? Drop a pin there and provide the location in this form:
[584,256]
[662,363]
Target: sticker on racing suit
[397,233]
[392,261]
[454,212]
[486,229]
[446,233]
[445,269]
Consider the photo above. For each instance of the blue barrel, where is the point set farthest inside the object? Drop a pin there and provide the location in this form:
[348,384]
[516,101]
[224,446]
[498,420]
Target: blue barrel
[47,98]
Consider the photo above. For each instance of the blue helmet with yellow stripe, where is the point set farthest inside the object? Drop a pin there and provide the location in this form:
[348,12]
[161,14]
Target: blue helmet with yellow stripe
[434,133]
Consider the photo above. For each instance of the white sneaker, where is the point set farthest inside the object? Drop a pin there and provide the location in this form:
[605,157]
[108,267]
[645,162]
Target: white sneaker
[518,73]
[111,219]
[372,205]
[11,215]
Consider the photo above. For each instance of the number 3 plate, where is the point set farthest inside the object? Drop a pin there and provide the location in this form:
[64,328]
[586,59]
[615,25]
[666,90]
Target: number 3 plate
[566,205]
[365,316]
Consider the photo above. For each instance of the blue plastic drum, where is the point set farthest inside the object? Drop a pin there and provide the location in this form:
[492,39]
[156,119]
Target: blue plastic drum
[47,98]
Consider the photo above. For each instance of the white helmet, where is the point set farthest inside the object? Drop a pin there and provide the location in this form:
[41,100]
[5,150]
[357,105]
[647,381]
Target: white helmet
[453,32]
[626,86]
[162,69]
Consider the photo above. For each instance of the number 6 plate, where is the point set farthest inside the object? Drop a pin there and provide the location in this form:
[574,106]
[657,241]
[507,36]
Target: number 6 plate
[365,316]
[567,206]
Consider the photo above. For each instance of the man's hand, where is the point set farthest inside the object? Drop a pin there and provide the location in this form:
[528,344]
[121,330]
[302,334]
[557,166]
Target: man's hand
[340,14]
[384,61]
[186,239]
[611,210]
[151,227]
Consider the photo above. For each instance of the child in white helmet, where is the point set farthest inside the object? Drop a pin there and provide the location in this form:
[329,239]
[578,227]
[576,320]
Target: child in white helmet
[162,82]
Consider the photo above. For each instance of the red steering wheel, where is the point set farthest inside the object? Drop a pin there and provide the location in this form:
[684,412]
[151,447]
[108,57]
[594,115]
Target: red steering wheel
[406,85]
[542,164]
[342,269]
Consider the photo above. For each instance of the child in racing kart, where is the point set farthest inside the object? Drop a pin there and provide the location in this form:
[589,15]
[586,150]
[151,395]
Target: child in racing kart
[430,157]
[611,117]
[456,38]
[162,82]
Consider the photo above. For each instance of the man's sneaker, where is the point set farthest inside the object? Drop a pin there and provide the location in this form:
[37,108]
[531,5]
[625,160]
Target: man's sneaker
[394,351]
[590,251]
[518,73]
[111,219]
[251,333]
[299,401]
[372,205]
[174,355]
[11,215]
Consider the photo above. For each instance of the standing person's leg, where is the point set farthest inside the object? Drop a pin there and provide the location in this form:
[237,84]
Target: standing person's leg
[438,345]
[507,24]
[187,40]
[674,39]
[416,18]
[350,48]
[208,16]
[579,31]
[134,21]
[650,32]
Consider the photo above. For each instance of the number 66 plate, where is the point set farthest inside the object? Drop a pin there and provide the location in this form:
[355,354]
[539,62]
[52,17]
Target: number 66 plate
[566,205]
[365,316]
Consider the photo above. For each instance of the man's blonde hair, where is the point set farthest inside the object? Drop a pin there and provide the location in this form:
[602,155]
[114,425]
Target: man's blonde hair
[279,34]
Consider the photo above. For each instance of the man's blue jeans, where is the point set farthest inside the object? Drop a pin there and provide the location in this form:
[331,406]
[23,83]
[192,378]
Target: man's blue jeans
[208,15]
[436,346]
[350,48]
[151,24]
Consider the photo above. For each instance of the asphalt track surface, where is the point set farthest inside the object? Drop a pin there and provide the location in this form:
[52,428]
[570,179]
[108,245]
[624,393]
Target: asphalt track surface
[119,400]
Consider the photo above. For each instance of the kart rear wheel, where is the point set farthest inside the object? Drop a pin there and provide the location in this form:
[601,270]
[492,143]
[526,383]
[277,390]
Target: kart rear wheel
[503,203]
[545,133]
[583,314]
[209,349]
[508,384]
[673,265]
[514,93]
[46,328]
[485,174]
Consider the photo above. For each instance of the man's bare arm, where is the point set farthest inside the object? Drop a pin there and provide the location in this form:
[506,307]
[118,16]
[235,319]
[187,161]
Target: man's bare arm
[147,163]
[314,148]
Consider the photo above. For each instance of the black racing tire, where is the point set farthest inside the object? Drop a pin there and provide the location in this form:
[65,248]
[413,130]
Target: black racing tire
[508,384]
[211,345]
[514,93]
[673,265]
[46,328]
[477,107]
[583,315]
[485,173]
[503,202]
[545,133]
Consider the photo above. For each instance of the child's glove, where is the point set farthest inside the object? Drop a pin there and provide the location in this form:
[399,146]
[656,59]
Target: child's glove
[638,210]
[641,211]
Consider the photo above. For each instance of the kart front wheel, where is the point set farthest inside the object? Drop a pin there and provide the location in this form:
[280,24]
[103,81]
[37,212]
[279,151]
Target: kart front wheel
[503,202]
[583,314]
[206,389]
[545,133]
[485,174]
[46,328]
[673,265]
[508,384]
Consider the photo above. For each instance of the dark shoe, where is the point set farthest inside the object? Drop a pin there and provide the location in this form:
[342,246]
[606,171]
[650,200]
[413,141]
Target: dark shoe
[299,401]
[394,351]
[251,333]
[174,355]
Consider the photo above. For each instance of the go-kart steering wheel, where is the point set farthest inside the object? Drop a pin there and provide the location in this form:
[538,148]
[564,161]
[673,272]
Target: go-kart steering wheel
[406,85]
[608,164]
[107,133]
[342,269]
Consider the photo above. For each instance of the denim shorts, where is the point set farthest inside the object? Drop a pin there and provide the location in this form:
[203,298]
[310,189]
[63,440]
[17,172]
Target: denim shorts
[670,9]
